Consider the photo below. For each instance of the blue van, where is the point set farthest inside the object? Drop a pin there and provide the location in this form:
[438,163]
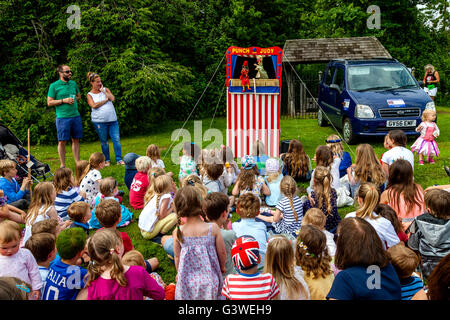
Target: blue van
[370,97]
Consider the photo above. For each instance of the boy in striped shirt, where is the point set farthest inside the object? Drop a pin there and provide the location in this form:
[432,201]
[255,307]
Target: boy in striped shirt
[405,261]
[248,284]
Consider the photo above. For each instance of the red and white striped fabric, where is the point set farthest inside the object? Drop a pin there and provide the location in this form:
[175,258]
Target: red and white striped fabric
[252,117]
[250,287]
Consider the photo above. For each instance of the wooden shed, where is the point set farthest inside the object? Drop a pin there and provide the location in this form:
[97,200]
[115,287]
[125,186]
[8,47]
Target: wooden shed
[322,50]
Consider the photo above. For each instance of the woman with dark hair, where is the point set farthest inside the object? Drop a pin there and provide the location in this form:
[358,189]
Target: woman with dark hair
[296,162]
[402,194]
[366,272]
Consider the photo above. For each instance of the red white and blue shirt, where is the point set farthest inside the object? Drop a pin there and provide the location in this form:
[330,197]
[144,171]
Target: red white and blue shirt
[250,287]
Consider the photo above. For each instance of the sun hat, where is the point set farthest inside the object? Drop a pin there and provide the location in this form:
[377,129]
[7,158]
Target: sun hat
[272,165]
[248,162]
[245,253]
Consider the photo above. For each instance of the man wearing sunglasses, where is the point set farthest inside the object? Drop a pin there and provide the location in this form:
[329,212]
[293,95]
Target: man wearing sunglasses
[64,95]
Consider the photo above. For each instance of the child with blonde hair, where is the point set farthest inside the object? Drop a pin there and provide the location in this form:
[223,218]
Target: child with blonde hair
[199,251]
[315,217]
[280,263]
[273,179]
[194,181]
[41,207]
[109,279]
[324,197]
[312,256]
[365,169]
[259,153]
[429,131]
[135,258]
[157,215]
[108,190]
[17,196]
[368,199]
[288,215]
[140,183]
[65,191]
[91,177]
[15,261]
[80,214]
[334,142]
[430,232]
[153,173]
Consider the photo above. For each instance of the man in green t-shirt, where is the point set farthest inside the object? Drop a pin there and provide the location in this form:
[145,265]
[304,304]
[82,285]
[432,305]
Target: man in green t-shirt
[64,95]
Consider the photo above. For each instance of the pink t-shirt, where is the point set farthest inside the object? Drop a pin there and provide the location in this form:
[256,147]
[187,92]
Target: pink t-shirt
[138,189]
[21,265]
[406,216]
[140,285]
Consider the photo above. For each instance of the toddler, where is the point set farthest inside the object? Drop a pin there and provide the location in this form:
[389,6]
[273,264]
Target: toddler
[316,218]
[80,214]
[140,182]
[18,262]
[429,131]
[397,140]
[66,194]
[248,284]
[405,261]
[189,160]
[17,196]
[273,179]
[249,180]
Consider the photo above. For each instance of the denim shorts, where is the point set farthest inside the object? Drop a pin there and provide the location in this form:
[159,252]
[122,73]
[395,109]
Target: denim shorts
[67,128]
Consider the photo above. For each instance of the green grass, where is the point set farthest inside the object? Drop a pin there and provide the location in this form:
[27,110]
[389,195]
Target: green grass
[306,130]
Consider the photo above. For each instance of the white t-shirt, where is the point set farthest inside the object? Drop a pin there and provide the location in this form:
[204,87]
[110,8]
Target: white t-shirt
[158,164]
[91,186]
[331,245]
[383,227]
[148,217]
[104,113]
[398,153]
[299,275]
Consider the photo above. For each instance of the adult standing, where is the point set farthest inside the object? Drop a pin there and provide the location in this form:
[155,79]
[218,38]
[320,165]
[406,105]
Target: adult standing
[431,80]
[64,95]
[104,117]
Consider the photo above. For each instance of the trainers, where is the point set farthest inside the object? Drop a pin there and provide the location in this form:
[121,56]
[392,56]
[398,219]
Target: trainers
[421,162]
[107,163]
[431,160]
[121,162]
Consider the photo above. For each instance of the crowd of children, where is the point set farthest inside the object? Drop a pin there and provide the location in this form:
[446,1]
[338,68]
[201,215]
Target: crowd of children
[280,245]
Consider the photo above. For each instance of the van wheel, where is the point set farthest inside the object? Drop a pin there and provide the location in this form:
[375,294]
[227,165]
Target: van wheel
[321,119]
[347,131]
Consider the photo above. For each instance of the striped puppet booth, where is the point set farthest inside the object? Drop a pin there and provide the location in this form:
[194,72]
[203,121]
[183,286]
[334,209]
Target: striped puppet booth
[253,99]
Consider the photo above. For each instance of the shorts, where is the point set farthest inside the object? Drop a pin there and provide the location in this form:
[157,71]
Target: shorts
[67,128]
[432,92]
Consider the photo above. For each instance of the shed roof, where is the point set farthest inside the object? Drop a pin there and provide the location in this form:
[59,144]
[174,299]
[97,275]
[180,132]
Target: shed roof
[326,49]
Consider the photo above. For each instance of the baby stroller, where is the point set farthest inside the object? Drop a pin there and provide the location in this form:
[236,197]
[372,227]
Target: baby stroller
[12,148]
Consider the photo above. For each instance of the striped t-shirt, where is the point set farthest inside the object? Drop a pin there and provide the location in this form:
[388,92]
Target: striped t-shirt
[64,200]
[250,287]
[288,224]
[410,286]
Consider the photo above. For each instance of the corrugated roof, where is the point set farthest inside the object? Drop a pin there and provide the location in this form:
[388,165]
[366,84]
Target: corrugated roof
[326,49]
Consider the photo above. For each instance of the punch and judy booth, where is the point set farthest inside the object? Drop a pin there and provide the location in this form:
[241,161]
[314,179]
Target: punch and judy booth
[253,98]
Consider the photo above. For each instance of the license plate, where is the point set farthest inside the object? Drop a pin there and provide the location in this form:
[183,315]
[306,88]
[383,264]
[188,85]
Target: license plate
[400,123]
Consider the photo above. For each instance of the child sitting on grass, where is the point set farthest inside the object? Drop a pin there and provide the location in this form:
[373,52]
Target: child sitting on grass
[316,218]
[140,182]
[80,214]
[108,189]
[405,262]
[248,284]
[17,196]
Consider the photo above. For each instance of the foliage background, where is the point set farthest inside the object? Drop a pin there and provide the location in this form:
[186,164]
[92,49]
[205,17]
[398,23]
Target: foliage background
[157,56]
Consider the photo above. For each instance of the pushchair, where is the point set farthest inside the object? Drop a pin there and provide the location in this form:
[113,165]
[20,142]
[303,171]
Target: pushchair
[12,148]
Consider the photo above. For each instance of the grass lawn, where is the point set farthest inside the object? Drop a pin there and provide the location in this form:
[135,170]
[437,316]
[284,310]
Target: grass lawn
[306,130]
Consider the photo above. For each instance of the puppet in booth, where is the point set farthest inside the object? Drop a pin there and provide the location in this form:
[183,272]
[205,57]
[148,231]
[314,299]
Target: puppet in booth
[261,73]
[244,76]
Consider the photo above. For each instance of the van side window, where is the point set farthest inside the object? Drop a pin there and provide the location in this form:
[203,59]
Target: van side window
[339,79]
[329,75]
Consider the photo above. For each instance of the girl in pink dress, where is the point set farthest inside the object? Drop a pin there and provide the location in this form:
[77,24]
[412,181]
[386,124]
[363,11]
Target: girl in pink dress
[425,144]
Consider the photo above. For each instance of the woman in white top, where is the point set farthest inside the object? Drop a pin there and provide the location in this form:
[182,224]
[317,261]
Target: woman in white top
[104,118]
[368,199]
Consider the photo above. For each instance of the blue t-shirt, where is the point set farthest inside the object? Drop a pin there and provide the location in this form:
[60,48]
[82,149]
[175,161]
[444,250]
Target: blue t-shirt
[346,161]
[410,286]
[63,281]
[360,283]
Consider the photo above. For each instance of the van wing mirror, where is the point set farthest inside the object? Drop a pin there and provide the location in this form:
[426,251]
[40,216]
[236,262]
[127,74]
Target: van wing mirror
[335,87]
[420,83]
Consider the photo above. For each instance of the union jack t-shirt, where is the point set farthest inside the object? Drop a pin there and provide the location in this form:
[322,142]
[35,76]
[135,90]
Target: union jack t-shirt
[250,287]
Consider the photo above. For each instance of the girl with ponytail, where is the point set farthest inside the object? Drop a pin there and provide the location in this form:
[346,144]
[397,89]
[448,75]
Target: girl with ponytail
[288,216]
[368,199]
[199,250]
[109,279]
[324,197]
